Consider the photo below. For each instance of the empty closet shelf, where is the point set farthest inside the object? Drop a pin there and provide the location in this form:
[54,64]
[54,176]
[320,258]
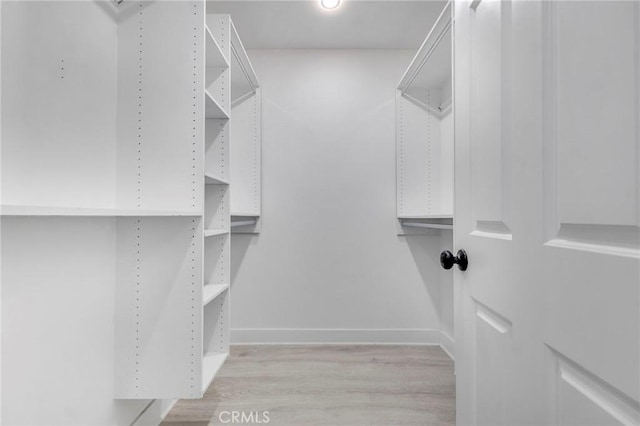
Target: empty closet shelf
[215,232]
[425,216]
[213,109]
[211,291]
[248,222]
[211,363]
[211,179]
[426,225]
[429,221]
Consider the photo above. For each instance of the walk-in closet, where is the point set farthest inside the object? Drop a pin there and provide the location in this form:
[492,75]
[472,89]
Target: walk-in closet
[319,212]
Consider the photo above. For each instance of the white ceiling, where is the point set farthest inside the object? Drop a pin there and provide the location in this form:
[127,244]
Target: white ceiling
[356,24]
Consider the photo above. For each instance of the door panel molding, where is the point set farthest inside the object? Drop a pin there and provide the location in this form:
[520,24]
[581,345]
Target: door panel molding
[492,229]
[500,323]
[490,144]
[493,360]
[587,208]
[571,377]
[615,240]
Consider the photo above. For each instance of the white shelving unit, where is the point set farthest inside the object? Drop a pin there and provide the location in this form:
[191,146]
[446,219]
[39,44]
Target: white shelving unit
[228,66]
[121,196]
[424,138]
[215,299]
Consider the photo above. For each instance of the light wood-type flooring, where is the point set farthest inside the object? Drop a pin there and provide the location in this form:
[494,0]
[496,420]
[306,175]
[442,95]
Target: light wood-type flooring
[333,385]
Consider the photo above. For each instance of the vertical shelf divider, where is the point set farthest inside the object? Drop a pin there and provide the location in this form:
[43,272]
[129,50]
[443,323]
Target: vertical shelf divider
[217,265]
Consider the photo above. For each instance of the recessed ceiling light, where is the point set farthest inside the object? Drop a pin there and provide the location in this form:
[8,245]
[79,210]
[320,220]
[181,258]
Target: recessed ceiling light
[330,4]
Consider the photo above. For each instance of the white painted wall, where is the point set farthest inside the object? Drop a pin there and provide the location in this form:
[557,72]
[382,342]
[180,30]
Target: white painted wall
[60,83]
[58,323]
[328,265]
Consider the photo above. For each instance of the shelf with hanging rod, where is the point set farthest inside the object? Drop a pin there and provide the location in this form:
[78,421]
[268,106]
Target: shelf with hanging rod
[429,221]
[424,135]
[250,222]
[426,225]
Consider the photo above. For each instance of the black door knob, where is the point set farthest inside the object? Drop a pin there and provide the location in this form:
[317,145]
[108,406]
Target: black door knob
[447,259]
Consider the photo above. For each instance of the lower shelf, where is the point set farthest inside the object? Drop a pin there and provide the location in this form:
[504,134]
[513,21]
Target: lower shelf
[211,364]
[214,232]
[211,291]
[427,221]
[426,216]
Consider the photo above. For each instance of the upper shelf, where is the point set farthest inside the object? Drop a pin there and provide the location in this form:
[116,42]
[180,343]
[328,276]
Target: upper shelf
[214,56]
[20,210]
[431,67]
[244,81]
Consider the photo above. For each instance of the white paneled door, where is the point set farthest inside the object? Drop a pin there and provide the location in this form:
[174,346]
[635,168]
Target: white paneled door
[547,123]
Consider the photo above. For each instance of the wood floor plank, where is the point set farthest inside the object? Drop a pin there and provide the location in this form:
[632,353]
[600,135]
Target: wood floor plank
[336,385]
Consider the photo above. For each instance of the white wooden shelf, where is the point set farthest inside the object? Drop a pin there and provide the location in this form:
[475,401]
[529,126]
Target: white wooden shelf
[214,56]
[211,291]
[19,210]
[426,216]
[211,363]
[212,109]
[215,232]
[241,214]
[428,225]
[211,179]
[429,221]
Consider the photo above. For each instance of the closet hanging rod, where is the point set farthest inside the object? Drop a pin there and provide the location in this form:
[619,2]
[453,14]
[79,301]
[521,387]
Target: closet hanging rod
[427,225]
[438,111]
[244,223]
[242,98]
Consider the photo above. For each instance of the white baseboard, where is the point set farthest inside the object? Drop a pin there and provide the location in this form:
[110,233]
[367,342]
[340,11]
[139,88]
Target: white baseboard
[448,344]
[241,336]
[155,412]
